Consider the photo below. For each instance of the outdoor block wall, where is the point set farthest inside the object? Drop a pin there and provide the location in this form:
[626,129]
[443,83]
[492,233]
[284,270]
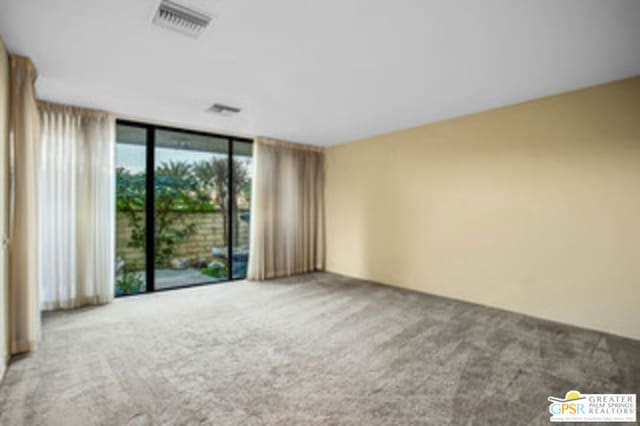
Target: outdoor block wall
[209,234]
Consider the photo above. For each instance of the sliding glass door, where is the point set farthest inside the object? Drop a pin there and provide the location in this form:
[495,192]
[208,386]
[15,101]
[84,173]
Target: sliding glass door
[183,202]
[242,177]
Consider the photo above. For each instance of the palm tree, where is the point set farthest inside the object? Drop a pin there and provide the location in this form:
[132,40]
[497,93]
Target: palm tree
[177,169]
[212,176]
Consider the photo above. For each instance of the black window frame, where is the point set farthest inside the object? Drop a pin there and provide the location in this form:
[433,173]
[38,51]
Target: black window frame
[150,134]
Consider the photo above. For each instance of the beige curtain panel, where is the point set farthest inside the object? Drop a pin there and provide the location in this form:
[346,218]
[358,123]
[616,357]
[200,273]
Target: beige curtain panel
[24,319]
[77,185]
[287,210]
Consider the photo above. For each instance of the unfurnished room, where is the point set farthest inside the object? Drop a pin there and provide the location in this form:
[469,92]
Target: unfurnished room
[293,212]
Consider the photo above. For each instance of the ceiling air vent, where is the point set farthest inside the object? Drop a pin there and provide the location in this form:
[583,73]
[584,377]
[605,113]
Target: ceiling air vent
[224,110]
[181,19]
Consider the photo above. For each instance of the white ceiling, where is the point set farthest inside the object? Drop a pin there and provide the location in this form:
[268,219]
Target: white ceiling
[322,72]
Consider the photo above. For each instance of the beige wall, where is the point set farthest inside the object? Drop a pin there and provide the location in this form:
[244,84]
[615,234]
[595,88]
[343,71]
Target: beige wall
[4,195]
[534,208]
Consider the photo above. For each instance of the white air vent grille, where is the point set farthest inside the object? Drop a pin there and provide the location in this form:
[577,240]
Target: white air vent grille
[181,19]
[224,110]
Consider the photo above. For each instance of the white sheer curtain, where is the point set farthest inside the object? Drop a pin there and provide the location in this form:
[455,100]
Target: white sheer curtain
[77,221]
[287,210]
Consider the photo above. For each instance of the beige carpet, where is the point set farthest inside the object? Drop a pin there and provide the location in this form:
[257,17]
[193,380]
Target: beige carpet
[314,349]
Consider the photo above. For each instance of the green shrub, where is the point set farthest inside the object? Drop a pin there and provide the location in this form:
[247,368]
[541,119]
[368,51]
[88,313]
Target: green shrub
[129,282]
[215,271]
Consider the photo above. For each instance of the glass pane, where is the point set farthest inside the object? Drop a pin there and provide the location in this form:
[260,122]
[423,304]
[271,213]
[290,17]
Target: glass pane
[130,209]
[242,176]
[191,195]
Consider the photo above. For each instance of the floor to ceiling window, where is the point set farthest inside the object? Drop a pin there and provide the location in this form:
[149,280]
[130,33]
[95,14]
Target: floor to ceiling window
[182,207]
[131,175]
